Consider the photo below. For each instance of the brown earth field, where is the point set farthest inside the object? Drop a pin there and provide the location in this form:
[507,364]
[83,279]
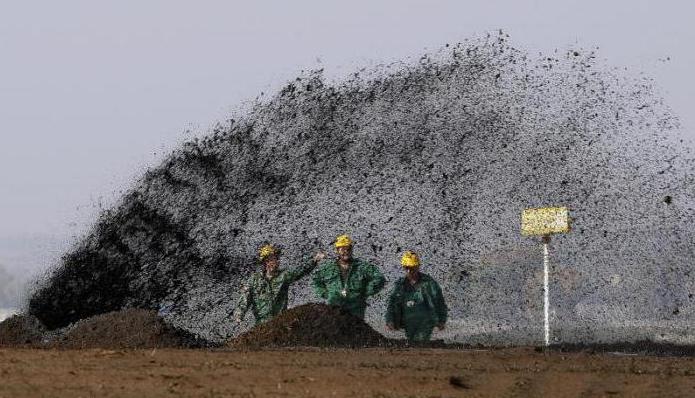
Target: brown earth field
[374,372]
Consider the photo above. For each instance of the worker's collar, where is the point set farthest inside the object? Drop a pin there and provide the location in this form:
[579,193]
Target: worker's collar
[415,280]
[271,275]
[350,262]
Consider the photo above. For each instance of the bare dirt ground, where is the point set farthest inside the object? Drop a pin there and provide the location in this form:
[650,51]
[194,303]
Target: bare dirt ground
[340,372]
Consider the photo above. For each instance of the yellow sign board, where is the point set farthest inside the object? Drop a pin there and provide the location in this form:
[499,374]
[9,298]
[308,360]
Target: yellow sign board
[545,221]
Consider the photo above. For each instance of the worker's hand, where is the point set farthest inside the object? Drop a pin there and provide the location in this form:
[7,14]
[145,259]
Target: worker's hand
[319,257]
[390,326]
[441,326]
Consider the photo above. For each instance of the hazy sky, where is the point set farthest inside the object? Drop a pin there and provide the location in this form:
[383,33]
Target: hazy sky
[92,92]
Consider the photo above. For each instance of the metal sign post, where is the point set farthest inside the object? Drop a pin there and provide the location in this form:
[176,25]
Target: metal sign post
[545,222]
[546,291]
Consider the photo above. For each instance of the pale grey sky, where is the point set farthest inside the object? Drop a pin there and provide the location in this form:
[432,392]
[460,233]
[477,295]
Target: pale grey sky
[91,92]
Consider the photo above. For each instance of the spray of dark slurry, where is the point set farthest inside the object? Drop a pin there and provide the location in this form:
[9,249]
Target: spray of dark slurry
[438,156]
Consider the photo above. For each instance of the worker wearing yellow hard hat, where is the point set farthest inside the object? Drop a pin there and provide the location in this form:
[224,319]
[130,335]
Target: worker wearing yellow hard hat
[266,291]
[346,281]
[416,303]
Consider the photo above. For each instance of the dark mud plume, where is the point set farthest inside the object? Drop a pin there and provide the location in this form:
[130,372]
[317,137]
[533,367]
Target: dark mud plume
[440,156]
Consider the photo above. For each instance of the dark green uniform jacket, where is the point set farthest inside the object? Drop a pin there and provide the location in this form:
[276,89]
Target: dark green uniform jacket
[268,297]
[363,280]
[417,308]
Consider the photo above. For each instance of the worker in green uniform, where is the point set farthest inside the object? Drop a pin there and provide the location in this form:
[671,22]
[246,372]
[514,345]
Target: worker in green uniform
[347,282]
[265,292]
[416,303]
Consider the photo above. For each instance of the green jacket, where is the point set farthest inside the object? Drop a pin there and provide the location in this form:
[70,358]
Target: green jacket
[267,298]
[417,308]
[363,280]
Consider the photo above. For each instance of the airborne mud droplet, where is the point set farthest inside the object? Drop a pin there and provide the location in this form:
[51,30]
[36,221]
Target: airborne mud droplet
[438,156]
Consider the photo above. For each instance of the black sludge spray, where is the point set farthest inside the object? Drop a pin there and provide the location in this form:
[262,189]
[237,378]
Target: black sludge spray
[438,156]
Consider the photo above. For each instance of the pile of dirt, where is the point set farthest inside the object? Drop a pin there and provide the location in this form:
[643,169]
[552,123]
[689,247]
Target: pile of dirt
[129,328]
[311,325]
[21,330]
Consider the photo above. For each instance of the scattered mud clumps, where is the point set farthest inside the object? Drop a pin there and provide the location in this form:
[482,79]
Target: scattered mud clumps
[438,155]
[311,325]
[21,330]
[130,328]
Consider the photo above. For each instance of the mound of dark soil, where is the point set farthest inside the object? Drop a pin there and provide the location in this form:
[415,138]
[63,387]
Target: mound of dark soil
[21,330]
[129,328]
[311,325]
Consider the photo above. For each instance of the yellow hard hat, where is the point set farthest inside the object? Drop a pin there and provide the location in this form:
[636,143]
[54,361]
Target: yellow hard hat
[266,251]
[410,260]
[343,241]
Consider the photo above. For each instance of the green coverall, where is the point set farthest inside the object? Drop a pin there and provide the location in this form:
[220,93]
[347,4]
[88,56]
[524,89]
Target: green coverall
[268,297]
[363,280]
[416,308]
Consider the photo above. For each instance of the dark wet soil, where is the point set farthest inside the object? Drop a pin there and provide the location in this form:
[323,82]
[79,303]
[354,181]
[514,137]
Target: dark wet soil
[21,330]
[311,325]
[130,328]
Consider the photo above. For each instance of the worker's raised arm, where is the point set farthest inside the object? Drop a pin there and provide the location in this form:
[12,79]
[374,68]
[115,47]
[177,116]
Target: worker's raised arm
[305,269]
